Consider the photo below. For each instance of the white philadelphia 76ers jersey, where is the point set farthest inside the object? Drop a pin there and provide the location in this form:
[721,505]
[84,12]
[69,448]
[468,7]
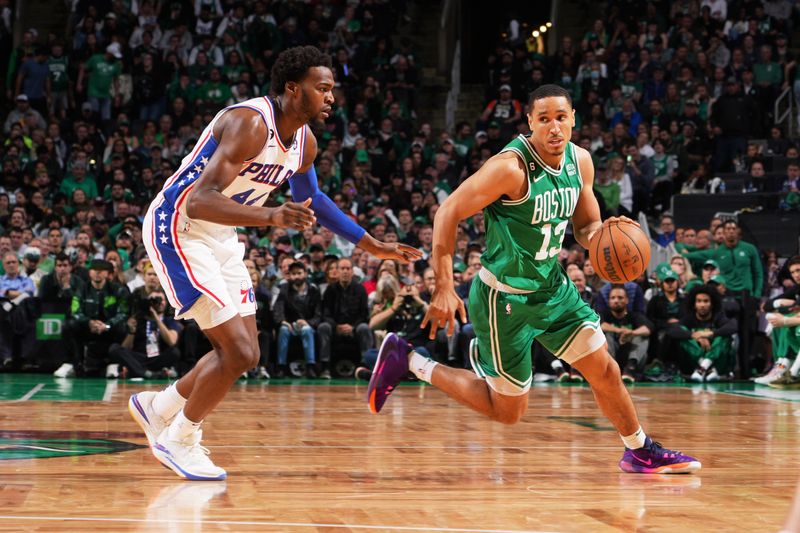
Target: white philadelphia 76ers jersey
[194,257]
[258,176]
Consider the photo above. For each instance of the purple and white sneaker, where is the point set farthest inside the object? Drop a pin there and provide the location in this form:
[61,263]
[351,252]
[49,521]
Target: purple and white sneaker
[390,368]
[652,458]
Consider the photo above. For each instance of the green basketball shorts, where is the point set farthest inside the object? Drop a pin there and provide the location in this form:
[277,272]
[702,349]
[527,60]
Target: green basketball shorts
[506,324]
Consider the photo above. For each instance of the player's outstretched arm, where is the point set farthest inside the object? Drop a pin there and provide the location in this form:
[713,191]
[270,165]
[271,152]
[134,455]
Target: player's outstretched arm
[240,134]
[503,175]
[586,218]
[304,185]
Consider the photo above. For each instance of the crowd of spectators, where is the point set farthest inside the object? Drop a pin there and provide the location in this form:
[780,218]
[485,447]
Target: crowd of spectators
[669,96]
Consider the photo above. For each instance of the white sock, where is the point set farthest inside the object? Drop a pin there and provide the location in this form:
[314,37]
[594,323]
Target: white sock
[168,402]
[795,368]
[636,440]
[421,366]
[182,427]
[557,366]
[706,363]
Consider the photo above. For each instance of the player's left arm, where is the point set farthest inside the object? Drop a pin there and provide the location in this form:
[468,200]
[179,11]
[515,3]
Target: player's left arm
[586,218]
[304,184]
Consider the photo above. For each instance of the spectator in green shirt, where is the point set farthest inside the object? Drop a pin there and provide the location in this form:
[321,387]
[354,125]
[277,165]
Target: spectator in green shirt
[739,262]
[79,179]
[766,71]
[214,94]
[609,190]
[59,81]
[103,72]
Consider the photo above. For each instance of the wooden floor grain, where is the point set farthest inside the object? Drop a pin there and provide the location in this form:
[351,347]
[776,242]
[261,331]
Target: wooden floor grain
[312,458]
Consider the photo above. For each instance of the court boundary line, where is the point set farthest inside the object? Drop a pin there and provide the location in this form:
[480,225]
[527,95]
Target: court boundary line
[756,396]
[108,392]
[263,523]
[28,395]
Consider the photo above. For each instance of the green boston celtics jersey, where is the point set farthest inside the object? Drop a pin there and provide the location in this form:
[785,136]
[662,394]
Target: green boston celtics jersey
[523,237]
[58,73]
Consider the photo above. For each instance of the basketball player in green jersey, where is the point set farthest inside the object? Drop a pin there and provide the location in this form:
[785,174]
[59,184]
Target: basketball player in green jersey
[528,193]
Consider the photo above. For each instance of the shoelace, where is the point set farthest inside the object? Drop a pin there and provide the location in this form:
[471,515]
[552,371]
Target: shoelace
[197,450]
[655,448]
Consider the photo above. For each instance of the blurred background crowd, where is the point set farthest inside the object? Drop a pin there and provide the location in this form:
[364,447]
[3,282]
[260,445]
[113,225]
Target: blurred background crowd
[676,101]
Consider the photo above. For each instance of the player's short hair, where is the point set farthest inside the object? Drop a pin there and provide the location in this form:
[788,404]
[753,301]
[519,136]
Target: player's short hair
[548,91]
[293,64]
[794,260]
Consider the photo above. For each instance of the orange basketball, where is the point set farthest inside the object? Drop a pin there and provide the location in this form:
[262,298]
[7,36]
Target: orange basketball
[619,252]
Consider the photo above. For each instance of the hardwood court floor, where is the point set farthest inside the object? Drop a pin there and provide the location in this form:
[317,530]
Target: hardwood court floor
[312,458]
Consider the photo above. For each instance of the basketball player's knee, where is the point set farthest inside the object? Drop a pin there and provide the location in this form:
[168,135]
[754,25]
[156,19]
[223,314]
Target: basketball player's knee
[241,357]
[509,413]
[609,375]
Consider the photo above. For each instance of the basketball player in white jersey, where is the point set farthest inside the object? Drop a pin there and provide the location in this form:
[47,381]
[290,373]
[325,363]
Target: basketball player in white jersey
[247,151]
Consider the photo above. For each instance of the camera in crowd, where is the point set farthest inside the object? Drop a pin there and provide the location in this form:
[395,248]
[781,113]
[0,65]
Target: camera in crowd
[144,305]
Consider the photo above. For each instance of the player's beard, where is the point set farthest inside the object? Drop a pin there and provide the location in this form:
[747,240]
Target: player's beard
[314,118]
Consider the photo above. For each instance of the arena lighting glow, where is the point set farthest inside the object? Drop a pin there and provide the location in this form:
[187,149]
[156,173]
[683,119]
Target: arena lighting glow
[549,24]
[535,33]
[543,28]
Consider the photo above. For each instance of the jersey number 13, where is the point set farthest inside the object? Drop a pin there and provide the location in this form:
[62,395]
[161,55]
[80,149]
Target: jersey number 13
[547,234]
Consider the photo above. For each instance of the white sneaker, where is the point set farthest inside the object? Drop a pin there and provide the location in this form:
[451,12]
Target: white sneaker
[777,370]
[179,502]
[697,376]
[112,371]
[140,406]
[712,375]
[65,371]
[187,457]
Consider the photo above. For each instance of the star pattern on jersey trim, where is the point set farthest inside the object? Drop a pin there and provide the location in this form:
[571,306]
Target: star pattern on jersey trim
[162,228]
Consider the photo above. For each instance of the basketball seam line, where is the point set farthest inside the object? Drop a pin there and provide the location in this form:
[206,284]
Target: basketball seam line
[614,249]
[633,241]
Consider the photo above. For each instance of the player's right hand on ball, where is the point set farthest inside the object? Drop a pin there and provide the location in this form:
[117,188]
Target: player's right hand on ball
[293,215]
[620,220]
